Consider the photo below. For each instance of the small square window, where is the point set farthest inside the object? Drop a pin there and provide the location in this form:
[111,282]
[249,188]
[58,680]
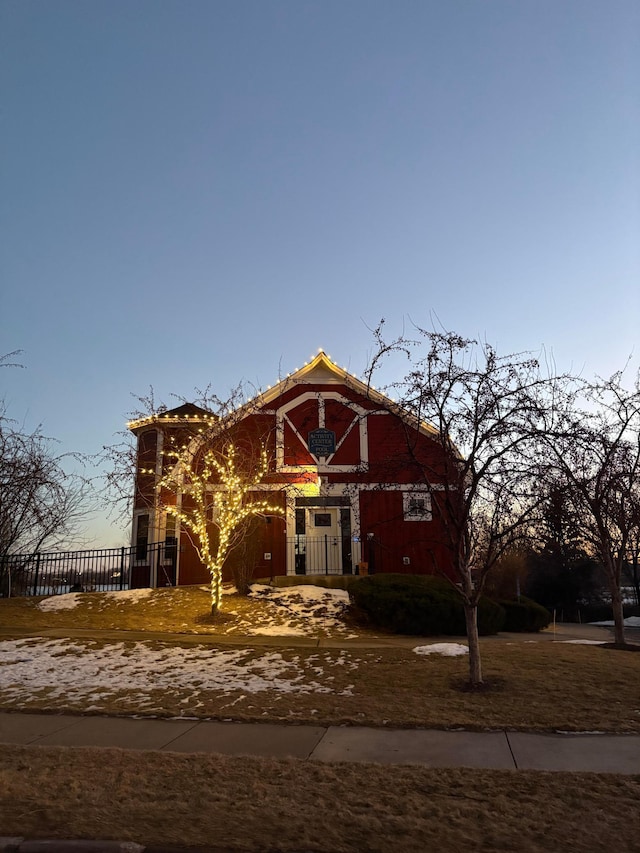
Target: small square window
[416,506]
[322,519]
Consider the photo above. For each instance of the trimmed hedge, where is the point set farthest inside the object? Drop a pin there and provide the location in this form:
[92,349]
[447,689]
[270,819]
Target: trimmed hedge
[525,615]
[420,605]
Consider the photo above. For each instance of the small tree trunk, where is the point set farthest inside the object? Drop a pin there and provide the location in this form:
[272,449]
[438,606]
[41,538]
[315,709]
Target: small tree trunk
[475,663]
[618,616]
[215,588]
[636,579]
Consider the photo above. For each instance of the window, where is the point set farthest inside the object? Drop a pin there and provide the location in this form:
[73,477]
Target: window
[322,519]
[142,536]
[416,506]
[170,539]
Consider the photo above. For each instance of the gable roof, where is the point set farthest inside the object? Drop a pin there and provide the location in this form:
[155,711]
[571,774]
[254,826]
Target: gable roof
[321,370]
[186,413]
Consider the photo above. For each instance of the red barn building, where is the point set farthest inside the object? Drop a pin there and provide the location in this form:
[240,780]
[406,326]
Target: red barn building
[347,466]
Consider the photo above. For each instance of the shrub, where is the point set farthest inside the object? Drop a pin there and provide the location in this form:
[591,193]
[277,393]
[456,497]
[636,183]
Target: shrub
[525,615]
[418,604]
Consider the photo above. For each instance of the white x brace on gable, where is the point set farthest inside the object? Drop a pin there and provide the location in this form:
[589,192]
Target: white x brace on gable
[359,420]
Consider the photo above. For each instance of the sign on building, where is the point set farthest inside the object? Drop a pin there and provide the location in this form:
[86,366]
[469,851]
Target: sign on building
[322,442]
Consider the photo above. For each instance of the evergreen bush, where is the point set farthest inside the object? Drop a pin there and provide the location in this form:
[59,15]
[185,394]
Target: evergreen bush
[418,604]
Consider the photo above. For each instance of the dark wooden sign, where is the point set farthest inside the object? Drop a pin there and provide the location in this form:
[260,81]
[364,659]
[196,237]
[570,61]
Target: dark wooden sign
[322,442]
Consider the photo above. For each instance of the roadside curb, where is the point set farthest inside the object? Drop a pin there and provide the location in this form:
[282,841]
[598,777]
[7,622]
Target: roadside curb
[24,845]
[11,844]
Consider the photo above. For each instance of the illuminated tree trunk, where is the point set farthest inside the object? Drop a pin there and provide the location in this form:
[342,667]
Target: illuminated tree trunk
[216,586]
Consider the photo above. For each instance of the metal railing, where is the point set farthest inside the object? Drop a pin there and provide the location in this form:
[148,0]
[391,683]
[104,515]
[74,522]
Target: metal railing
[97,570]
[321,555]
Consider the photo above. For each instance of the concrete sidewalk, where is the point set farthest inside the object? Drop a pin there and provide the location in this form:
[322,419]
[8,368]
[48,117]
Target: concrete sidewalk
[598,753]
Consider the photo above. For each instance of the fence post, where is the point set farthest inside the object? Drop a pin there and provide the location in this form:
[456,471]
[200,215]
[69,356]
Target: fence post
[121,567]
[5,568]
[35,582]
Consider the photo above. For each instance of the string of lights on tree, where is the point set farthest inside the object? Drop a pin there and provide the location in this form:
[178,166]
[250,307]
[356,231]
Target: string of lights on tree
[225,507]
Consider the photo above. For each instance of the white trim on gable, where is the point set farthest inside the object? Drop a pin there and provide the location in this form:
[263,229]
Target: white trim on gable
[360,418]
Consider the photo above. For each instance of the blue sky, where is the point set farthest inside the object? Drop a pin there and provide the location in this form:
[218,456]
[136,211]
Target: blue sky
[197,192]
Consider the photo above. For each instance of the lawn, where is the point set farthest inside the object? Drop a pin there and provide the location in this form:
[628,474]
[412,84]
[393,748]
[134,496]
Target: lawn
[302,611]
[534,685]
[256,804]
[261,661]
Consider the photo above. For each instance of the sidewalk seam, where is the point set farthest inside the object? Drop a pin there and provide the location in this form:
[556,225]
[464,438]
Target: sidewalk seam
[319,741]
[513,755]
[177,737]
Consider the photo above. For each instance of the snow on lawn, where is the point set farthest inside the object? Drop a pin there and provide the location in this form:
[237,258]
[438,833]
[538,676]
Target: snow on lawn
[128,595]
[69,600]
[84,671]
[277,631]
[60,602]
[450,650]
[295,611]
[630,622]
[299,610]
[584,642]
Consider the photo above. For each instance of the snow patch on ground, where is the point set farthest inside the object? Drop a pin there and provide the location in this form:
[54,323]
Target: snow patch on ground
[299,611]
[630,622]
[584,642]
[450,650]
[121,595]
[67,601]
[276,631]
[83,671]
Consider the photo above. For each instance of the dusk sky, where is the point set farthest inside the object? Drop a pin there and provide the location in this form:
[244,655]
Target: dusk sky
[196,192]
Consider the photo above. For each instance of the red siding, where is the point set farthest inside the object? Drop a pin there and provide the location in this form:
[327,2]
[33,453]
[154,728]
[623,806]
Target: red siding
[398,454]
[394,538]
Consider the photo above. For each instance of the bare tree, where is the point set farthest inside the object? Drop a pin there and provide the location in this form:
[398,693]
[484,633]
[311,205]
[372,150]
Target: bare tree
[592,442]
[633,553]
[483,410]
[41,504]
[564,570]
[211,480]
[118,461]
[242,560]
[5,362]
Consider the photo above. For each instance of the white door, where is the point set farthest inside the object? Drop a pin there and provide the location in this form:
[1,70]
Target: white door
[324,543]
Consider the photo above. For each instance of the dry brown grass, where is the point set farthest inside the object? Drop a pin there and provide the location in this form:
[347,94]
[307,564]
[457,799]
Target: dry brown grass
[540,686]
[535,685]
[254,804]
[182,610]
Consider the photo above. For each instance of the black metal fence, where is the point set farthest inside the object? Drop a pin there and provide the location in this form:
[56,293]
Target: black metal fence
[97,570]
[321,555]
